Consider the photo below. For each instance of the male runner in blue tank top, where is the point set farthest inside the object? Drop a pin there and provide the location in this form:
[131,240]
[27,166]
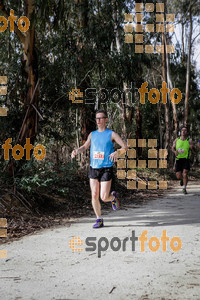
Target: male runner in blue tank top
[102,156]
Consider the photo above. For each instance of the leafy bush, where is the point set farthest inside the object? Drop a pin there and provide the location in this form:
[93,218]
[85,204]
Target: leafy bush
[34,176]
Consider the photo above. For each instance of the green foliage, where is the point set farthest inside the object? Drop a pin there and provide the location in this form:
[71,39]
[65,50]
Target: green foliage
[39,177]
[76,43]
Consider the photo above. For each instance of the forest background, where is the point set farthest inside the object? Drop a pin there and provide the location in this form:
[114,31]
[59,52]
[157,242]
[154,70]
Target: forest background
[80,44]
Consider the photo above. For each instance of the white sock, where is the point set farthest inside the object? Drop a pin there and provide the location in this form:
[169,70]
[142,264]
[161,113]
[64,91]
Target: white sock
[99,217]
[184,186]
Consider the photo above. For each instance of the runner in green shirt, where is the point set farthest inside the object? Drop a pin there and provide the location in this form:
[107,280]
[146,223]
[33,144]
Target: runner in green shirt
[182,147]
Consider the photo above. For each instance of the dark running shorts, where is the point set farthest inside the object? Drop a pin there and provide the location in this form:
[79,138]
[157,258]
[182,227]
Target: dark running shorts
[182,163]
[102,174]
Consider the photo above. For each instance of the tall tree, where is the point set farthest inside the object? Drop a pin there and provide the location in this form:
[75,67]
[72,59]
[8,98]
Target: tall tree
[86,112]
[30,68]
[187,85]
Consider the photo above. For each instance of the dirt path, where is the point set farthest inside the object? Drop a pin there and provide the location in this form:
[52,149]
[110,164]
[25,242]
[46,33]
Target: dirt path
[42,266]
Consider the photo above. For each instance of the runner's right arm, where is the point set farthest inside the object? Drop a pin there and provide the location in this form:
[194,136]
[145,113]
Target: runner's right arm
[82,148]
[174,147]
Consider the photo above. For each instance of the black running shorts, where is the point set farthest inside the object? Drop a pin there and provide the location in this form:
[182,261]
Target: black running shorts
[182,163]
[102,174]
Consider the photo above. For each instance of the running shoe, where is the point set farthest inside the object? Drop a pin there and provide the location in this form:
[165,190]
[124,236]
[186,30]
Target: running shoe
[181,182]
[115,201]
[184,191]
[98,224]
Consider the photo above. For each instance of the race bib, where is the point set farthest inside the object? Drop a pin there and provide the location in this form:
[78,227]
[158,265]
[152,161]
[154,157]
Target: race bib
[98,155]
[180,150]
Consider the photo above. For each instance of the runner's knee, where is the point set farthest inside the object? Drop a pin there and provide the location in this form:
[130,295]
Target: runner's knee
[178,176]
[104,197]
[185,174]
[95,196]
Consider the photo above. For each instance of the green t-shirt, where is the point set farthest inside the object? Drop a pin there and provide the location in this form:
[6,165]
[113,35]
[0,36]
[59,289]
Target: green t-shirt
[183,148]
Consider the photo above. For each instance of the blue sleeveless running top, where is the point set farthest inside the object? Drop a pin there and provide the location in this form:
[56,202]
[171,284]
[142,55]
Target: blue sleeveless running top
[101,148]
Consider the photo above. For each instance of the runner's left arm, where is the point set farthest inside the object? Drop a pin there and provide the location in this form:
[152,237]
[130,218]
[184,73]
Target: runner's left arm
[116,138]
[192,146]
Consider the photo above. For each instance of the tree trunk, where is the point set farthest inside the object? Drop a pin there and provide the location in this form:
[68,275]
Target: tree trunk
[87,122]
[159,118]
[118,50]
[170,86]
[183,43]
[160,125]
[167,133]
[30,69]
[164,78]
[138,129]
[138,132]
[116,26]
[187,86]
[30,128]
